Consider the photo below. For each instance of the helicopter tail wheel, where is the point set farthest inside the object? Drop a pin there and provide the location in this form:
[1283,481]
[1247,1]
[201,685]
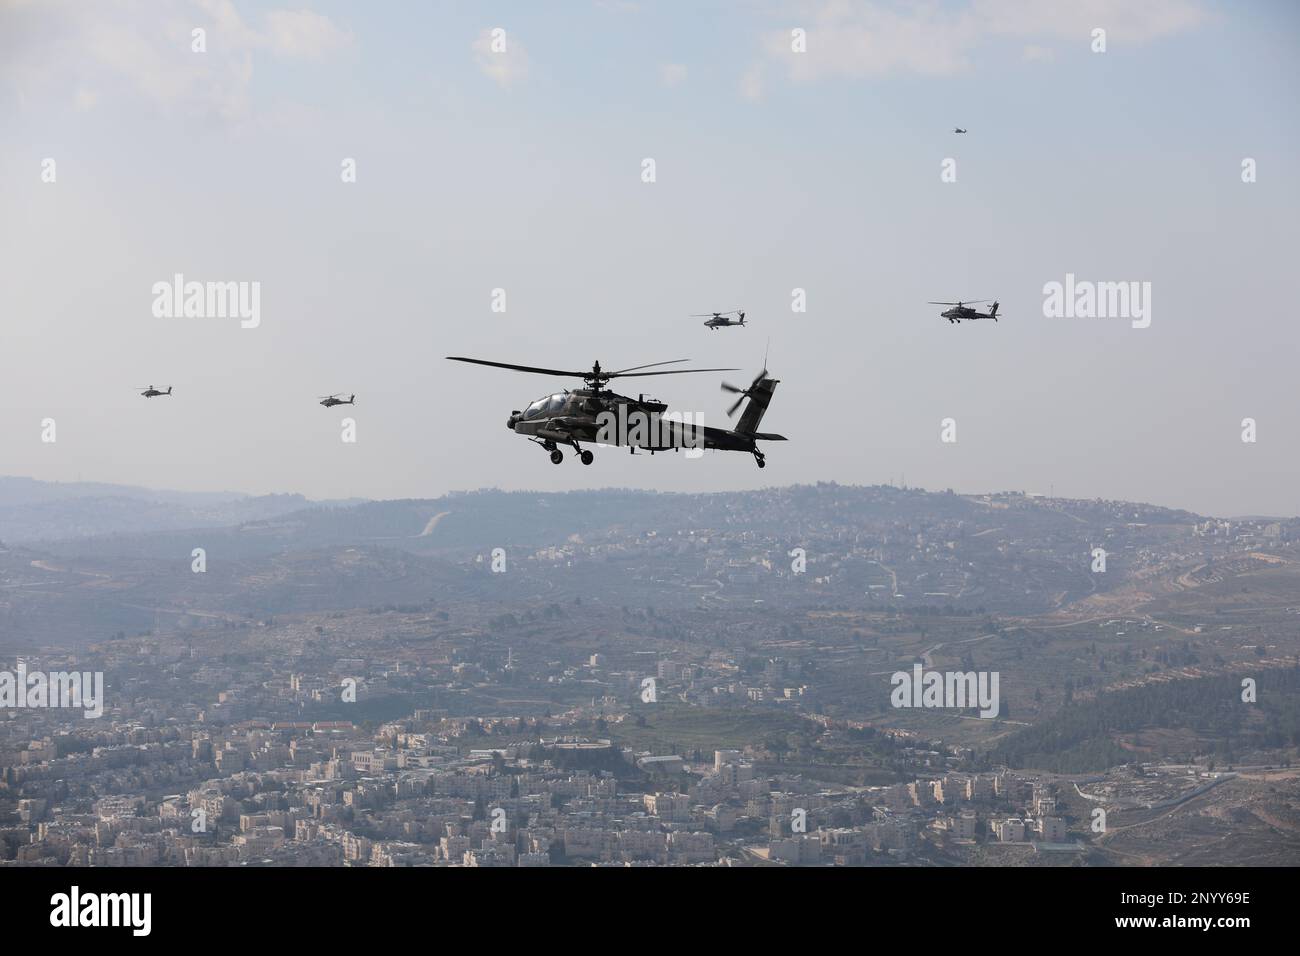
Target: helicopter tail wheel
[760,460]
[587,457]
[557,456]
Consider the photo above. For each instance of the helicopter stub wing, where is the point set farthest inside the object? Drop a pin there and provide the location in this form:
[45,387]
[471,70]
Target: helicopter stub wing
[565,430]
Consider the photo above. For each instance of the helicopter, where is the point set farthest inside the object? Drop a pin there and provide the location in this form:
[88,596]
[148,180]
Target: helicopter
[963,310]
[958,129]
[152,392]
[719,320]
[329,401]
[587,415]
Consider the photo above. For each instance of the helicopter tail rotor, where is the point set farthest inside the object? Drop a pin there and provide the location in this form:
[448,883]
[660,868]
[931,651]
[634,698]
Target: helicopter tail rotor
[744,393]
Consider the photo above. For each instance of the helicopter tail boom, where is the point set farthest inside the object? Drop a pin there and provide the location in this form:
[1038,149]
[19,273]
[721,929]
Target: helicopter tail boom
[760,396]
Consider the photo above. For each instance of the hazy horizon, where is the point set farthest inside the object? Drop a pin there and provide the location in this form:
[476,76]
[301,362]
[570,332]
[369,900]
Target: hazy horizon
[233,492]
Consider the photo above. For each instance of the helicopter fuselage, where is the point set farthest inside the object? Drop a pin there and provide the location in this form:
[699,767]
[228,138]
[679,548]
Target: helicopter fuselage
[960,312]
[604,417]
[595,414]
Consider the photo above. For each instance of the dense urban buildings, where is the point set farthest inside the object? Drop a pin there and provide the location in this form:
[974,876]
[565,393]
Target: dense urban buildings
[682,681]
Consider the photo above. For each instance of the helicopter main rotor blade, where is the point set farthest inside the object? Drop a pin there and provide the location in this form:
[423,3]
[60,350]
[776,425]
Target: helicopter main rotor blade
[676,371]
[603,376]
[651,365]
[520,368]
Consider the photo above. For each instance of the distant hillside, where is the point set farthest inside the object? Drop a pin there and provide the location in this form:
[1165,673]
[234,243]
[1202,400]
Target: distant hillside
[474,521]
[33,510]
[96,565]
[1090,735]
[27,491]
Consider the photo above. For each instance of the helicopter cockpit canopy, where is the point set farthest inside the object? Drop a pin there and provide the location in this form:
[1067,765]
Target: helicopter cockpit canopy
[546,405]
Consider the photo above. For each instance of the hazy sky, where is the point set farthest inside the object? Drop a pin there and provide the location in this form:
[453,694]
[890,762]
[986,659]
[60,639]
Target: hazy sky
[775,170]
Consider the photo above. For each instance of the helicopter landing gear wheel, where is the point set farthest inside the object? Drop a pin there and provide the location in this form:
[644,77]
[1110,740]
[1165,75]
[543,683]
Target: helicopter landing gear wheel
[557,456]
[587,457]
[760,460]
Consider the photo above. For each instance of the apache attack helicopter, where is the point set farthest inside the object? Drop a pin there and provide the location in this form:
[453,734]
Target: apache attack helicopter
[329,401]
[152,392]
[596,414]
[963,310]
[720,320]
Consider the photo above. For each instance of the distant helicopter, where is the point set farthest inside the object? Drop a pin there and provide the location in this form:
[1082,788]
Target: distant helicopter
[958,130]
[963,310]
[152,392]
[329,401]
[720,320]
[586,415]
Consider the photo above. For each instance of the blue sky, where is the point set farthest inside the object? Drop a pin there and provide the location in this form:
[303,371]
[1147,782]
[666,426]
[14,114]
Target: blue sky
[774,171]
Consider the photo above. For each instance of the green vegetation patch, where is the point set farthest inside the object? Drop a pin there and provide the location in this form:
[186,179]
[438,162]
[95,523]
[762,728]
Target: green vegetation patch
[675,728]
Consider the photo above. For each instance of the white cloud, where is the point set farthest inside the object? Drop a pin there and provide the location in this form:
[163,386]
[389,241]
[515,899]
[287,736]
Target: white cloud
[506,67]
[95,52]
[1123,20]
[672,74]
[874,38]
[303,33]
